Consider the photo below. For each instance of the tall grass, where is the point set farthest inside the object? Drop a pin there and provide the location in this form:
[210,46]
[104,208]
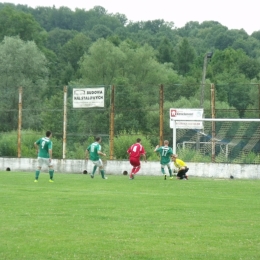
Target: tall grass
[77,217]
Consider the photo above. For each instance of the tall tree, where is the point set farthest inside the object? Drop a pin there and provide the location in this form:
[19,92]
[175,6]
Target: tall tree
[21,65]
[100,65]
[17,23]
[185,57]
[165,50]
[74,49]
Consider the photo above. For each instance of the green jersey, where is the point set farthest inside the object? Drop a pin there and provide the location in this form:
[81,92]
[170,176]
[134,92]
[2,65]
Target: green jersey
[165,153]
[44,144]
[93,151]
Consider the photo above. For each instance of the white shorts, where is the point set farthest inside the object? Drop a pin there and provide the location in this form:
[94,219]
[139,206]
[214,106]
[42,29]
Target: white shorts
[98,163]
[168,165]
[44,161]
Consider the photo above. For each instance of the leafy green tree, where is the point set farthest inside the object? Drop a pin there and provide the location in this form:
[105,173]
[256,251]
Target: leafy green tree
[99,16]
[233,92]
[107,64]
[189,29]
[21,64]
[227,60]
[100,31]
[61,18]
[250,67]
[52,115]
[101,65]
[17,23]
[256,35]
[121,17]
[79,19]
[165,50]
[185,57]
[58,37]
[129,110]
[74,49]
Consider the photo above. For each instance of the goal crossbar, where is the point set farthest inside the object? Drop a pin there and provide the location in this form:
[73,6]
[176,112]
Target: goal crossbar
[221,119]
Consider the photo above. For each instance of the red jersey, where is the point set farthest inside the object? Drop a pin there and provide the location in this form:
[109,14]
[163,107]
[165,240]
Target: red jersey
[136,150]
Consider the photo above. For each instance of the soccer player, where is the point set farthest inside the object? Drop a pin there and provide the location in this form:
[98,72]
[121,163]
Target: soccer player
[181,166]
[43,148]
[135,151]
[93,152]
[165,155]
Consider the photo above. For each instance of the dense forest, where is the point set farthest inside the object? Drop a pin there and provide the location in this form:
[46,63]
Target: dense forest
[46,48]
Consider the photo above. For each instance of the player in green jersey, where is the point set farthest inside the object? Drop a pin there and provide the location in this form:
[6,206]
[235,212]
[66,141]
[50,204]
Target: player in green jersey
[165,155]
[93,152]
[43,148]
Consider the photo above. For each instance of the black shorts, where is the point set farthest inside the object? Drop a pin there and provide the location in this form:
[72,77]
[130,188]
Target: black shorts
[182,173]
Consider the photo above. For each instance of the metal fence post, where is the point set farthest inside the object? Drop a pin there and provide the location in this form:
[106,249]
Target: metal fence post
[112,122]
[213,124]
[19,123]
[161,114]
[64,139]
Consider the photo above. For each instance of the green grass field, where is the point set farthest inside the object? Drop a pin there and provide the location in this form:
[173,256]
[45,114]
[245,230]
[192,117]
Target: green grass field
[77,217]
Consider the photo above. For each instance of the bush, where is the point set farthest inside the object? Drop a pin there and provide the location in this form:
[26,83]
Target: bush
[77,150]
[8,144]
[123,141]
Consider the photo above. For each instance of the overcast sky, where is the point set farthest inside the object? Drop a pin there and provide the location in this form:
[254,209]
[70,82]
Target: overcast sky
[233,14]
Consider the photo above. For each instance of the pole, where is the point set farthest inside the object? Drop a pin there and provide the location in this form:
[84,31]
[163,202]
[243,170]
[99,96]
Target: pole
[161,115]
[259,100]
[213,123]
[203,81]
[202,91]
[174,137]
[64,139]
[19,123]
[112,122]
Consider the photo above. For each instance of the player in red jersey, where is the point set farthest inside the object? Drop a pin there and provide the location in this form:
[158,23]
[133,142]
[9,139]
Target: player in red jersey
[135,152]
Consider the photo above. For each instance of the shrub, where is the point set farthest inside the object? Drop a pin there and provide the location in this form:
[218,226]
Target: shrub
[124,140]
[8,144]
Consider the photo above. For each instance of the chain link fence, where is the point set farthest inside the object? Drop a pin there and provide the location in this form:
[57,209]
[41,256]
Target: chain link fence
[131,110]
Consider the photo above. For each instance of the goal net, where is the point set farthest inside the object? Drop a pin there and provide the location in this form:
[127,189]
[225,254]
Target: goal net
[221,142]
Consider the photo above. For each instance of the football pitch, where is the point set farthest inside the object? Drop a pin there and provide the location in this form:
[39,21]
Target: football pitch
[77,217]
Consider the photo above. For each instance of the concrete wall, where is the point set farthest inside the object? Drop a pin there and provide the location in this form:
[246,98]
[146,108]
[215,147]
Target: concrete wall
[210,170]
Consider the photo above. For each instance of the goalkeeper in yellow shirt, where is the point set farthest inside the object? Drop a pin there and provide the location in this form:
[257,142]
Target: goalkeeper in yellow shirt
[181,166]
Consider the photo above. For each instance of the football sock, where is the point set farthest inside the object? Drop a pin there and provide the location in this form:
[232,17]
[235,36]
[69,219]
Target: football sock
[170,171]
[37,173]
[137,169]
[162,170]
[51,172]
[102,173]
[94,170]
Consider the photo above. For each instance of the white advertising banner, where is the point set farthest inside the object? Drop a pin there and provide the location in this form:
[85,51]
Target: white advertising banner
[182,117]
[88,97]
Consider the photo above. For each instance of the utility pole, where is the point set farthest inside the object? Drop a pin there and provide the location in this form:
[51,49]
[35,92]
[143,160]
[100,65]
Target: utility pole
[207,56]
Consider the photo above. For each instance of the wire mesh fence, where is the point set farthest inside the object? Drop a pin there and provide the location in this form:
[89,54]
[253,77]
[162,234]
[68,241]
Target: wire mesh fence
[131,110]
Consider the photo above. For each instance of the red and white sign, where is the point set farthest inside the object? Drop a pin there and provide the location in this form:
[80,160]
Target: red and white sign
[182,117]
